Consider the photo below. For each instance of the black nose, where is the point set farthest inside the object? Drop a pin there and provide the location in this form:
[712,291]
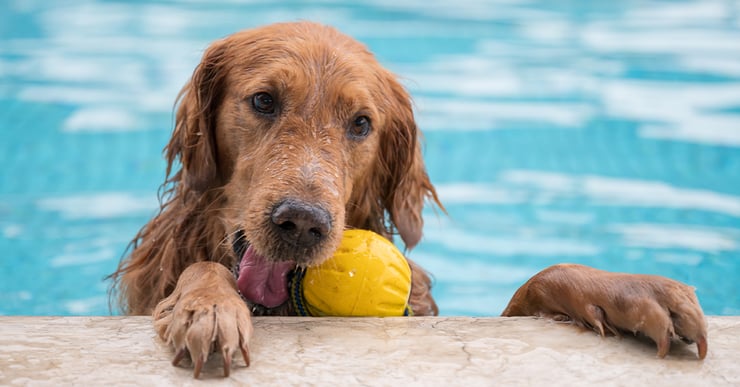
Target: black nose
[301,224]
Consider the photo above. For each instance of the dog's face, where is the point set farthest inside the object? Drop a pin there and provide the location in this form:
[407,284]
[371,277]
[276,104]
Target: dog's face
[304,134]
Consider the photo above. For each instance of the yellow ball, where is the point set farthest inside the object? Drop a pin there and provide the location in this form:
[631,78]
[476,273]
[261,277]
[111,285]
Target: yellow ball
[367,276]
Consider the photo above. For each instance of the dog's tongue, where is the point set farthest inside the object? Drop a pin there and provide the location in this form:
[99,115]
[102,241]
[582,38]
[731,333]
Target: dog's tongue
[263,282]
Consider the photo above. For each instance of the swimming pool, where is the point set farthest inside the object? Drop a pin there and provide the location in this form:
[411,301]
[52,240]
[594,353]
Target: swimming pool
[602,133]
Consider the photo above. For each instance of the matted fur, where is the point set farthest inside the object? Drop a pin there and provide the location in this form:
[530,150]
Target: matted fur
[235,166]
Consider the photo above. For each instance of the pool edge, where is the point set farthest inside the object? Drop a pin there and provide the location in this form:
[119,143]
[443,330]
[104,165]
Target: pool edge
[364,351]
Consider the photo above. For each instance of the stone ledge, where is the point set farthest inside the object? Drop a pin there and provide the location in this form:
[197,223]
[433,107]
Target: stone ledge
[363,351]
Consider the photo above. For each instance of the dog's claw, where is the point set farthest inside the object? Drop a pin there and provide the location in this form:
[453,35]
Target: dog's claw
[178,357]
[701,347]
[199,365]
[227,364]
[664,344]
[245,354]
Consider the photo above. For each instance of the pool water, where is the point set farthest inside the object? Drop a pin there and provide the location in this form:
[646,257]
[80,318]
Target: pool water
[605,133]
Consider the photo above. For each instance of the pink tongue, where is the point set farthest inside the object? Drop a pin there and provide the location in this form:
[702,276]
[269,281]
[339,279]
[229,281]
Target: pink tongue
[263,282]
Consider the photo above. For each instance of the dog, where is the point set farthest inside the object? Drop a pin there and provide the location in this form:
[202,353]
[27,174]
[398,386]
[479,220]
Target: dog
[285,136]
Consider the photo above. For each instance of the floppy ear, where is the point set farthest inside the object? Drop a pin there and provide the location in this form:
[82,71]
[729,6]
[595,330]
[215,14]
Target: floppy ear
[193,141]
[408,185]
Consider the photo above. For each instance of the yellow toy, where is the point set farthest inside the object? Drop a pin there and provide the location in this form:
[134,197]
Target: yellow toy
[367,276]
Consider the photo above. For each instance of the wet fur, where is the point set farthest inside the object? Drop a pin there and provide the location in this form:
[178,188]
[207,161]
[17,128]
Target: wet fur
[228,166]
[236,165]
[614,303]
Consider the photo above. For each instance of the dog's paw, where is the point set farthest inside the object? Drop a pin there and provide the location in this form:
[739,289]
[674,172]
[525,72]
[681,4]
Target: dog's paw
[658,307]
[205,314]
[611,303]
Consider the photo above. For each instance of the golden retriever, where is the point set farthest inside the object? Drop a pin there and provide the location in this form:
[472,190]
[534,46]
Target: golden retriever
[287,135]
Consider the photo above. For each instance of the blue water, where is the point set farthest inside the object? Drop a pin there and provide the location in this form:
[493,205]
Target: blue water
[599,132]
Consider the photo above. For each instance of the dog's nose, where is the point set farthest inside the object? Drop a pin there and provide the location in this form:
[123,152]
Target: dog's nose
[301,224]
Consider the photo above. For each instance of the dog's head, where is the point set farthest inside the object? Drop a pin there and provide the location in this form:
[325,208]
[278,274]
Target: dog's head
[304,134]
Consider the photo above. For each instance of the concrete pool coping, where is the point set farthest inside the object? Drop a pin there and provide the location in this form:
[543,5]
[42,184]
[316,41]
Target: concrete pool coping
[363,351]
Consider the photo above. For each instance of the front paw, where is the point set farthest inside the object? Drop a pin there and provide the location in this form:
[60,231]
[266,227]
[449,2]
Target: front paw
[205,314]
[658,307]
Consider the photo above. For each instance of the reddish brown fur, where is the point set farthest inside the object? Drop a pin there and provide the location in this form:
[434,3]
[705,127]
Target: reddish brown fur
[612,303]
[230,158]
[237,164]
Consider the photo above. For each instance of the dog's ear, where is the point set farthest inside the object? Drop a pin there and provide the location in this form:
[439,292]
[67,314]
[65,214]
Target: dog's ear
[193,141]
[407,186]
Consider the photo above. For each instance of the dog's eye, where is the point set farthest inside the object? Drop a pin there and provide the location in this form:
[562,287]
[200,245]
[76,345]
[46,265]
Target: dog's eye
[360,128]
[263,103]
